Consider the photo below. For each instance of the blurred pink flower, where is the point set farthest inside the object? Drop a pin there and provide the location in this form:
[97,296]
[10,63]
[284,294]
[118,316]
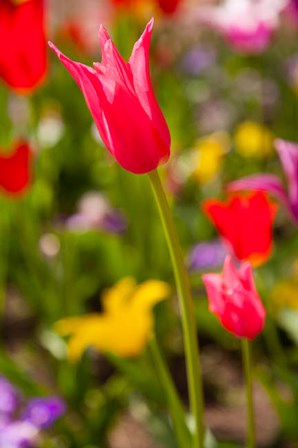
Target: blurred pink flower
[292,12]
[248,25]
[288,154]
[122,103]
[234,299]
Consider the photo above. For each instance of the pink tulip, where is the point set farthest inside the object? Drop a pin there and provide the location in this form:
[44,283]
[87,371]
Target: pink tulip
[247,25]
[234,299]
[121,100]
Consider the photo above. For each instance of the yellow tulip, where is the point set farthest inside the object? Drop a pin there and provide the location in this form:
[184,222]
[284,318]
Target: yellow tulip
[125,325]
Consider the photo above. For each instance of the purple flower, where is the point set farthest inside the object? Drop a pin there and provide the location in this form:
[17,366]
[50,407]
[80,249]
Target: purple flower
[96,213]
[21,431]
[42,412]
[207,255]
[17,434]
[197,60]
[9,397]
[114,222]
[288,154]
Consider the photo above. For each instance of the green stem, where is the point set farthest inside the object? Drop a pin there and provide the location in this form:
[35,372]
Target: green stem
[178,415]
[194,376]
[246,355]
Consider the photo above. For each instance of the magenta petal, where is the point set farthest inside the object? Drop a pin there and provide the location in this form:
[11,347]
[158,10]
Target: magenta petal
[89,82]
[247,278]
[262,182]
[213,285]
[139,65]
[230,274]
[113,67]
[288,154]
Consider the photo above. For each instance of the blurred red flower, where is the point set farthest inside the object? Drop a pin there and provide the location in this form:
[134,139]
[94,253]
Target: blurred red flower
[234,299]
[123,105]
[23,56]
[166,6]
[15,169]
[245,223]
[124,2]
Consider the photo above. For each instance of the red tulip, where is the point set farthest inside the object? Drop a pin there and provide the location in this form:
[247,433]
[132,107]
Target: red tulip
[234,299]
[15,170]
[122,103]
[245,223]
[168,6]
[125,3]
[23,58]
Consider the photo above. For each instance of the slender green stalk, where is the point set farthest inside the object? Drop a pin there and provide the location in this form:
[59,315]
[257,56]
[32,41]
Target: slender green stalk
[177,412]
[194,376]
[247,365]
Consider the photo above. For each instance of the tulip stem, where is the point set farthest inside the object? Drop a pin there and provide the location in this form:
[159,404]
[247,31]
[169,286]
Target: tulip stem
[247,365]
[177,411]
[193,367]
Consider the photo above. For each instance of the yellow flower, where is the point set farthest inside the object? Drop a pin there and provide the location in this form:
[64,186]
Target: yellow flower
[253,140]
[209,153]
[285,295]
[125,325]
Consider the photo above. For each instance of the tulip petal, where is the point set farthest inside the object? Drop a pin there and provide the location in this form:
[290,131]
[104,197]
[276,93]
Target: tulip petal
[230,274]
[113,66]
[267,183]
[260,182]
[92,89]
[213,284]
[288,154]
[139,65]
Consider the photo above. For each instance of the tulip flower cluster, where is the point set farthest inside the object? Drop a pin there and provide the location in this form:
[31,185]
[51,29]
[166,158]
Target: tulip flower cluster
[113,89]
